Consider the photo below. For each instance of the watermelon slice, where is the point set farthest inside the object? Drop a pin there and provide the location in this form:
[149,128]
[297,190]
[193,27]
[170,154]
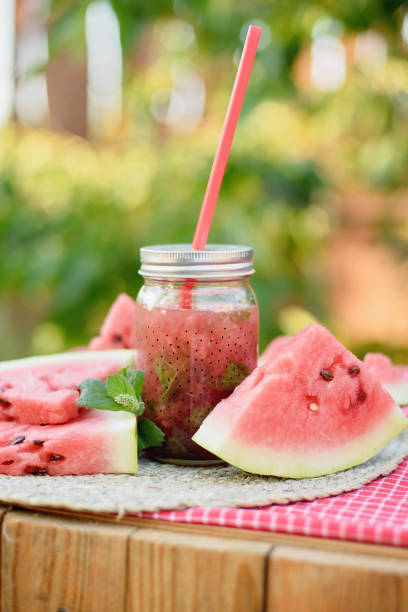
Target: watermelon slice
[97,441]
[393,378]
[274,348]
[119,328]
[44,390]
[311,410]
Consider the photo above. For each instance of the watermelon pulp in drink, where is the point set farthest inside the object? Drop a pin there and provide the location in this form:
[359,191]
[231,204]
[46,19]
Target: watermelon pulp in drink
[193,358]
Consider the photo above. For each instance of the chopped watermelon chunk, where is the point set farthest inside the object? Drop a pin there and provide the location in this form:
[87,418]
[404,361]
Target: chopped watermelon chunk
[44,390]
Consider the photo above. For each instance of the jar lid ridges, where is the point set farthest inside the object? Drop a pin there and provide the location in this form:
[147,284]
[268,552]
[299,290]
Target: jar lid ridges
[179,261]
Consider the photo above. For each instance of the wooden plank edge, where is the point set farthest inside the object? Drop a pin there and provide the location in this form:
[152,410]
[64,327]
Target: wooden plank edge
[4,510]
[275,538]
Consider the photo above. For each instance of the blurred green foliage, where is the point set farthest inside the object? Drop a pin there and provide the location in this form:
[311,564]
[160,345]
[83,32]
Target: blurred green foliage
[74,213]
[73,219]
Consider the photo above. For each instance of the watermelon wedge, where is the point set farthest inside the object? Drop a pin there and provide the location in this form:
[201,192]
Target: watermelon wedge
[392,377]
[311,410]
[97,441]
[44,390]
[119,327]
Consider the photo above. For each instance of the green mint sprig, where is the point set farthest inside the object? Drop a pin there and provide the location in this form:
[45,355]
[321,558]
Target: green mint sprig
[122,391]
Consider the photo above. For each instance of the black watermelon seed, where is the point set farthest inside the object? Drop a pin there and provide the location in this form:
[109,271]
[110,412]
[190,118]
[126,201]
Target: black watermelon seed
[117,338]
[38,442]
[40,472]
[18,440]
[354,371]
[361,395]
[56,457]
[326,375]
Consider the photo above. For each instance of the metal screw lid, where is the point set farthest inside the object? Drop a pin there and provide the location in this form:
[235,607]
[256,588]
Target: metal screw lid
[178,261]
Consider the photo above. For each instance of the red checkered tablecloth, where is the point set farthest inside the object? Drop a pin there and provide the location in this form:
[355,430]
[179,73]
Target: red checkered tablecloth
[376,513]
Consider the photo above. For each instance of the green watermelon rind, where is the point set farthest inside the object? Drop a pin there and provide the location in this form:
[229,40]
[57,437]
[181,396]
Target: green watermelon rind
[264,461]
[127,356]
[122,442]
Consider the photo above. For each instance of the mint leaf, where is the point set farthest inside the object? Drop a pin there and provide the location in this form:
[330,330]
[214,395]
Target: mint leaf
[118,384]
[233,375]
[166,373]
[117,393]
[148,434]
[93,395]
[136,378]
[130,403]
[122,391]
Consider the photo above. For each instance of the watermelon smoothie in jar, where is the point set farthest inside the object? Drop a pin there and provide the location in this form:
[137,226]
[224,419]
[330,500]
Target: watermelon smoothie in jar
[197,338]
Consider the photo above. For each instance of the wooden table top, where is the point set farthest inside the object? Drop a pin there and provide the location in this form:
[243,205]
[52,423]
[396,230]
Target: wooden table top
[57,561]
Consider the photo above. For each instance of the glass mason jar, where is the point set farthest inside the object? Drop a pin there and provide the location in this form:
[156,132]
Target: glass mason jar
[197,338]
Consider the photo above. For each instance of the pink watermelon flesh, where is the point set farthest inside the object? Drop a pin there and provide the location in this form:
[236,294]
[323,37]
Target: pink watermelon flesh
[274,348]
[95,442]
[44,390]
[119,328]
[313,409]
[393,378]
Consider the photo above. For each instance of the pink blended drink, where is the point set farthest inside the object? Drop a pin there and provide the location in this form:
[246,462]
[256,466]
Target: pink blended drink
[193,356]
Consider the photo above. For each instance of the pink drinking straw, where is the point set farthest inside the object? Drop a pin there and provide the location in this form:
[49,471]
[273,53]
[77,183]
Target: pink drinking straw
[222,153]
[227,135]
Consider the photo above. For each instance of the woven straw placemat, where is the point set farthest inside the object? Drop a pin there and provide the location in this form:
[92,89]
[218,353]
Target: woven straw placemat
[160,486]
